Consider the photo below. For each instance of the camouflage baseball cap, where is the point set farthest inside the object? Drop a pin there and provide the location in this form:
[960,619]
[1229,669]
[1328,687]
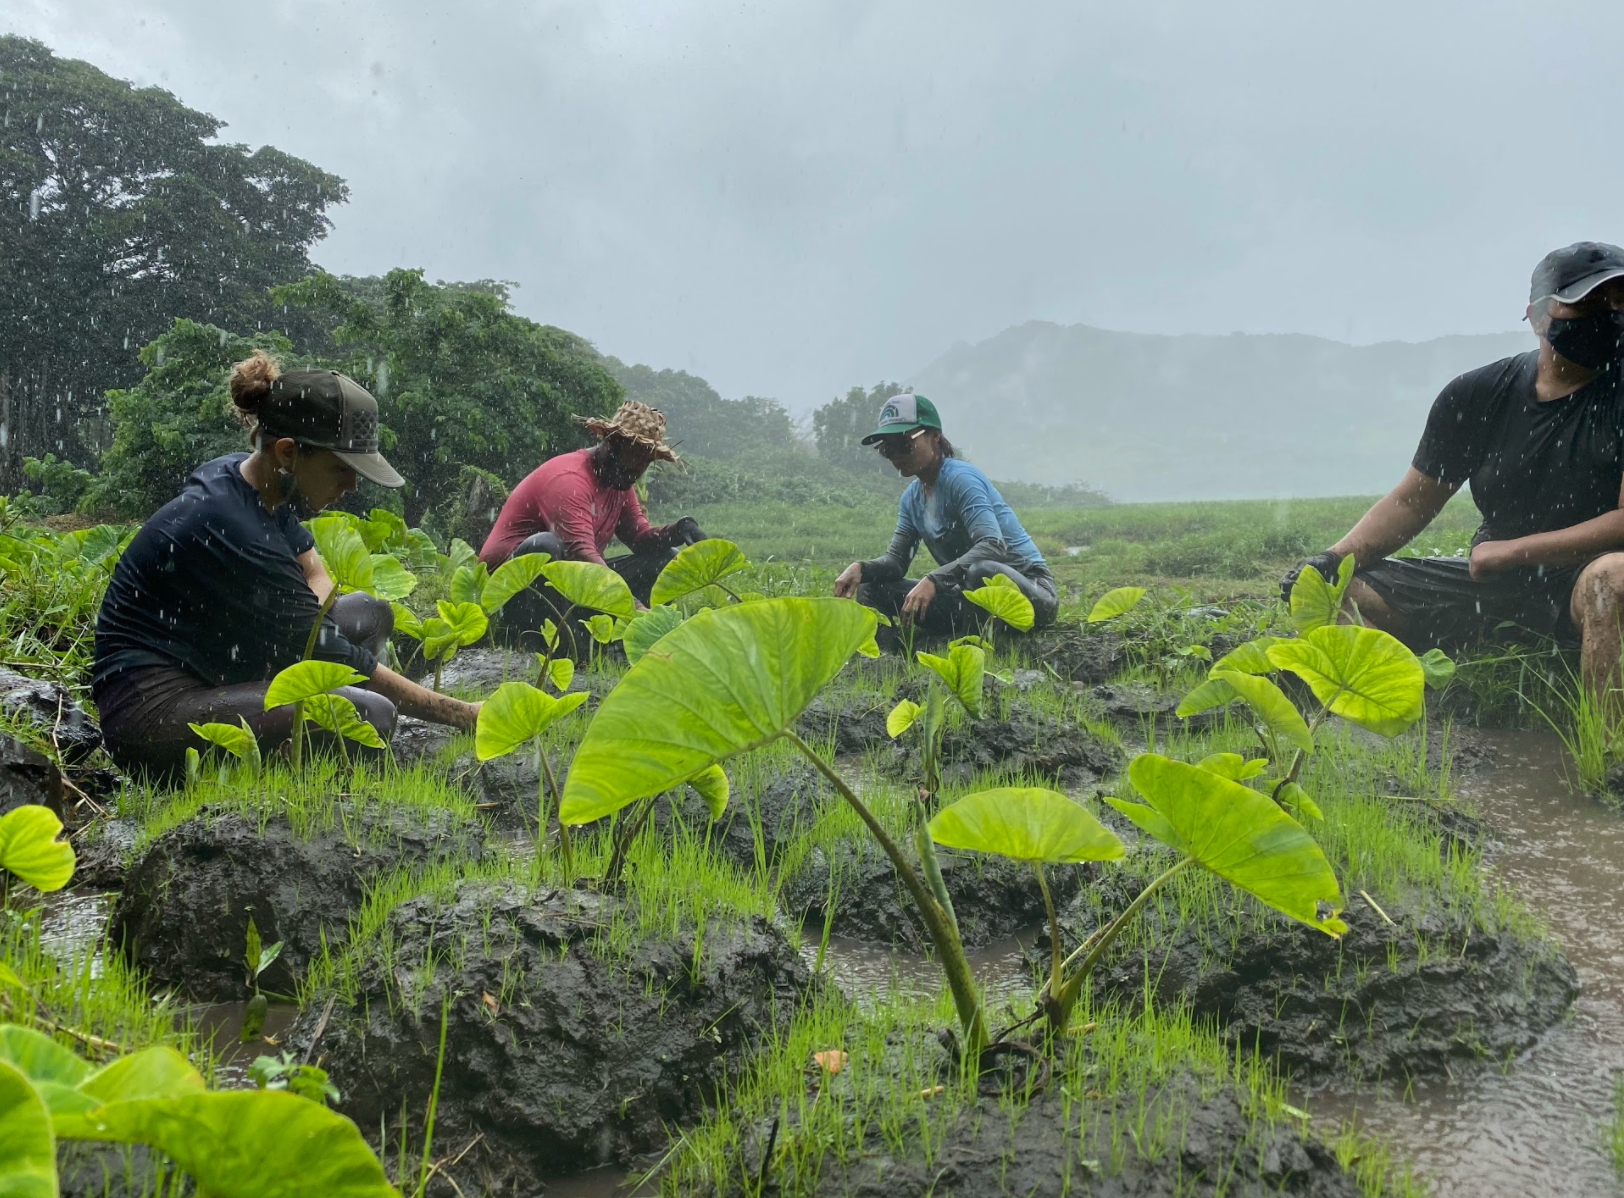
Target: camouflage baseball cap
[328,410]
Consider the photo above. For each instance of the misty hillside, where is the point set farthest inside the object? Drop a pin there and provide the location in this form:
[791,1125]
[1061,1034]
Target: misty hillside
[1153,417]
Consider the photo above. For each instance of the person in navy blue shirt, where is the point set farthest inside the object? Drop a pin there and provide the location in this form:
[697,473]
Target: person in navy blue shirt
[964,522]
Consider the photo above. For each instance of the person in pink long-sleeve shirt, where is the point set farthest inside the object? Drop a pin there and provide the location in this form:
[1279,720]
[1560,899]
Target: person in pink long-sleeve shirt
[571,505]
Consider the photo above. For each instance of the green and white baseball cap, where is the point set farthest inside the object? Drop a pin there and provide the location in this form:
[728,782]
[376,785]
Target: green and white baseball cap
[903,414]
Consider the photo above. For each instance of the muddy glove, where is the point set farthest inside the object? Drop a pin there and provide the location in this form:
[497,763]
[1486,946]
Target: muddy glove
[686,531]
[1326,563]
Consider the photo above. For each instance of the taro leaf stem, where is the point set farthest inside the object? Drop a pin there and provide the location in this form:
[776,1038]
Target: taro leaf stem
[563,829]
[942,934]
[1058,1006]
[1054,929]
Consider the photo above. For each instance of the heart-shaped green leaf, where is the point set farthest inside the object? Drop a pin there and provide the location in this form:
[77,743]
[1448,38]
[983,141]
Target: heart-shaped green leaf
[1003,599]
[962,669]
[1114,603]
[1436,667]
[467,583]
[646,630]
[236,739]
[390,579]
[343,552]
[1214,692]
[587,584]
[1317,601]
[30,850]
[515,714]
[1237,833]
[1250,658]
[1362,674]
[407,621]
[901,718]
[1026,824]
[726,681]
[1269,703]
[303,679]
[1233,766]
[561,672]
[339,716]
[511,577]
[696,567]
[467,621]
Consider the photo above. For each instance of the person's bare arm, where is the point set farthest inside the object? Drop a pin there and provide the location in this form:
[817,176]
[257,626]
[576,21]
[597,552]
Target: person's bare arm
[316,576]
[1397,518]
[420,702]
[1571,546]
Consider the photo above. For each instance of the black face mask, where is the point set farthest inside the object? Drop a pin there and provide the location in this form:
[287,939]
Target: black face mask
[1592,341]
[293,497]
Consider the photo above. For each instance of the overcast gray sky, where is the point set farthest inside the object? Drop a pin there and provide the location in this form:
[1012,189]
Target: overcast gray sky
[791,197]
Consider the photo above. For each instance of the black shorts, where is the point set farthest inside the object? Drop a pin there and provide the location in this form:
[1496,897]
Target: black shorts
[1439,603]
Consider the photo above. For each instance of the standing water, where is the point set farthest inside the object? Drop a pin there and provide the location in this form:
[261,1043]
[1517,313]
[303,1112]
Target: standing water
[1538,1126]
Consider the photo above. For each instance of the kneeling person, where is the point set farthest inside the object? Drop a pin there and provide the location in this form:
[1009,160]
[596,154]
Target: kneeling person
[958,513]
[220,589]
[571,505]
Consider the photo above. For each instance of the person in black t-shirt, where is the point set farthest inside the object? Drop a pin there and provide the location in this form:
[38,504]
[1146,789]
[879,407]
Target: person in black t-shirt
[221,588]
[1540,439]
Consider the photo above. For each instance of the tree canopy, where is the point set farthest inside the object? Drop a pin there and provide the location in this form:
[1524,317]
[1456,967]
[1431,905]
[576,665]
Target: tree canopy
[841,424]
[120,214]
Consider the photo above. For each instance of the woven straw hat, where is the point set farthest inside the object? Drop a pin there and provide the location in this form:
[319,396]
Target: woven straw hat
[636,422]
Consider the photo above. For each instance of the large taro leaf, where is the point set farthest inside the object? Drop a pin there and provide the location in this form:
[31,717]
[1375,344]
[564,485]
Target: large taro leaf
[30,850]
[696,567]
[390,579]
[646,630]
[1237,833]
[1114,603]
[1214,692]
[726,681]
[511,577]
[1361,674]
[515,714]
[962,669]
[250,1143]
[237,739]
[1026,823]
[1002,598]
[467,621]
[1317,601]
[467,583]
[1269,703]
[587,584]
[27,1146]
[304,679]
[343,552]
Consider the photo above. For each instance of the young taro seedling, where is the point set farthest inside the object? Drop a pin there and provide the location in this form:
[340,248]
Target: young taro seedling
[1362,674]
[306,685]
[30,852]
[515,715]
[258,958]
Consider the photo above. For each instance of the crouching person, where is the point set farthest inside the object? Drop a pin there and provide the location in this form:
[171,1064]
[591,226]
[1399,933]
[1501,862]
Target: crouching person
[571,505]
[220,588]
[965,523]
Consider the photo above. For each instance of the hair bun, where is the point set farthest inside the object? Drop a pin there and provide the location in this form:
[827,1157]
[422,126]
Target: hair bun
[251,381]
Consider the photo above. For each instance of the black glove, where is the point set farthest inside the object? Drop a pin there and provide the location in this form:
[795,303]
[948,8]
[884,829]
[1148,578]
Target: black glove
[1326,563]
[686,531]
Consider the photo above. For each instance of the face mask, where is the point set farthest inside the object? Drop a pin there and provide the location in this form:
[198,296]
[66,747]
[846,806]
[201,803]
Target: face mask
[293,497]
[1591,341]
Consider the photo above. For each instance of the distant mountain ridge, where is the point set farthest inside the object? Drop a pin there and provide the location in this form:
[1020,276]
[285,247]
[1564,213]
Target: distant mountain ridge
[1149,416]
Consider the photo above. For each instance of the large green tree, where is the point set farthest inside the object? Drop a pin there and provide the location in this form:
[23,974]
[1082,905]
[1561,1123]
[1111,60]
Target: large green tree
[119,214]
[840,425]
[461,380]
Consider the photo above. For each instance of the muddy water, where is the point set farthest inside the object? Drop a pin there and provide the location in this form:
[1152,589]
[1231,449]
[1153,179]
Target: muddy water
[1536,1127]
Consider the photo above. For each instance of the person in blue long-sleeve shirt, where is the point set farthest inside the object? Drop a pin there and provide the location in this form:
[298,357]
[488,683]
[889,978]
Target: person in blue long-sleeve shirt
[964,522]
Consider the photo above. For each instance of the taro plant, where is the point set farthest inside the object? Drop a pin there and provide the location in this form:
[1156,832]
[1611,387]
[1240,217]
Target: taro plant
[235,740]
[31,851]
[1002,600]
[234,1144]
[257,957]
[1363,675]
[458,624]
[1116,602]
[306,685]
[516,715]
[287,1072]
[1208,820]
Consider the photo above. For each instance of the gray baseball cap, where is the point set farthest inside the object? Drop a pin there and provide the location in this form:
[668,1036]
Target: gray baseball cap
[1573,272]
[328,410]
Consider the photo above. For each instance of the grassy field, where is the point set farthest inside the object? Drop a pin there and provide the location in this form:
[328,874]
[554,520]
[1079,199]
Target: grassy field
[1230,547]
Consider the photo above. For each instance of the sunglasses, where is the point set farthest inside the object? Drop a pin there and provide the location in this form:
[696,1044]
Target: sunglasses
[895,446]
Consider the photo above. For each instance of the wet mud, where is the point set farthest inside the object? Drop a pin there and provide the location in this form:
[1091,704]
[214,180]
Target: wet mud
[562,1053]
[183,914]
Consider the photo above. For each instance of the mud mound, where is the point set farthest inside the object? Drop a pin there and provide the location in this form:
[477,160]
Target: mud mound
[53,712]
[780,811]
[1387,1000]
[1063,1144]
[993,897]
[418,740]
[1090,655]
[1028,741]
[183,915]
[561,1053]
[27,777]
[1134,705]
